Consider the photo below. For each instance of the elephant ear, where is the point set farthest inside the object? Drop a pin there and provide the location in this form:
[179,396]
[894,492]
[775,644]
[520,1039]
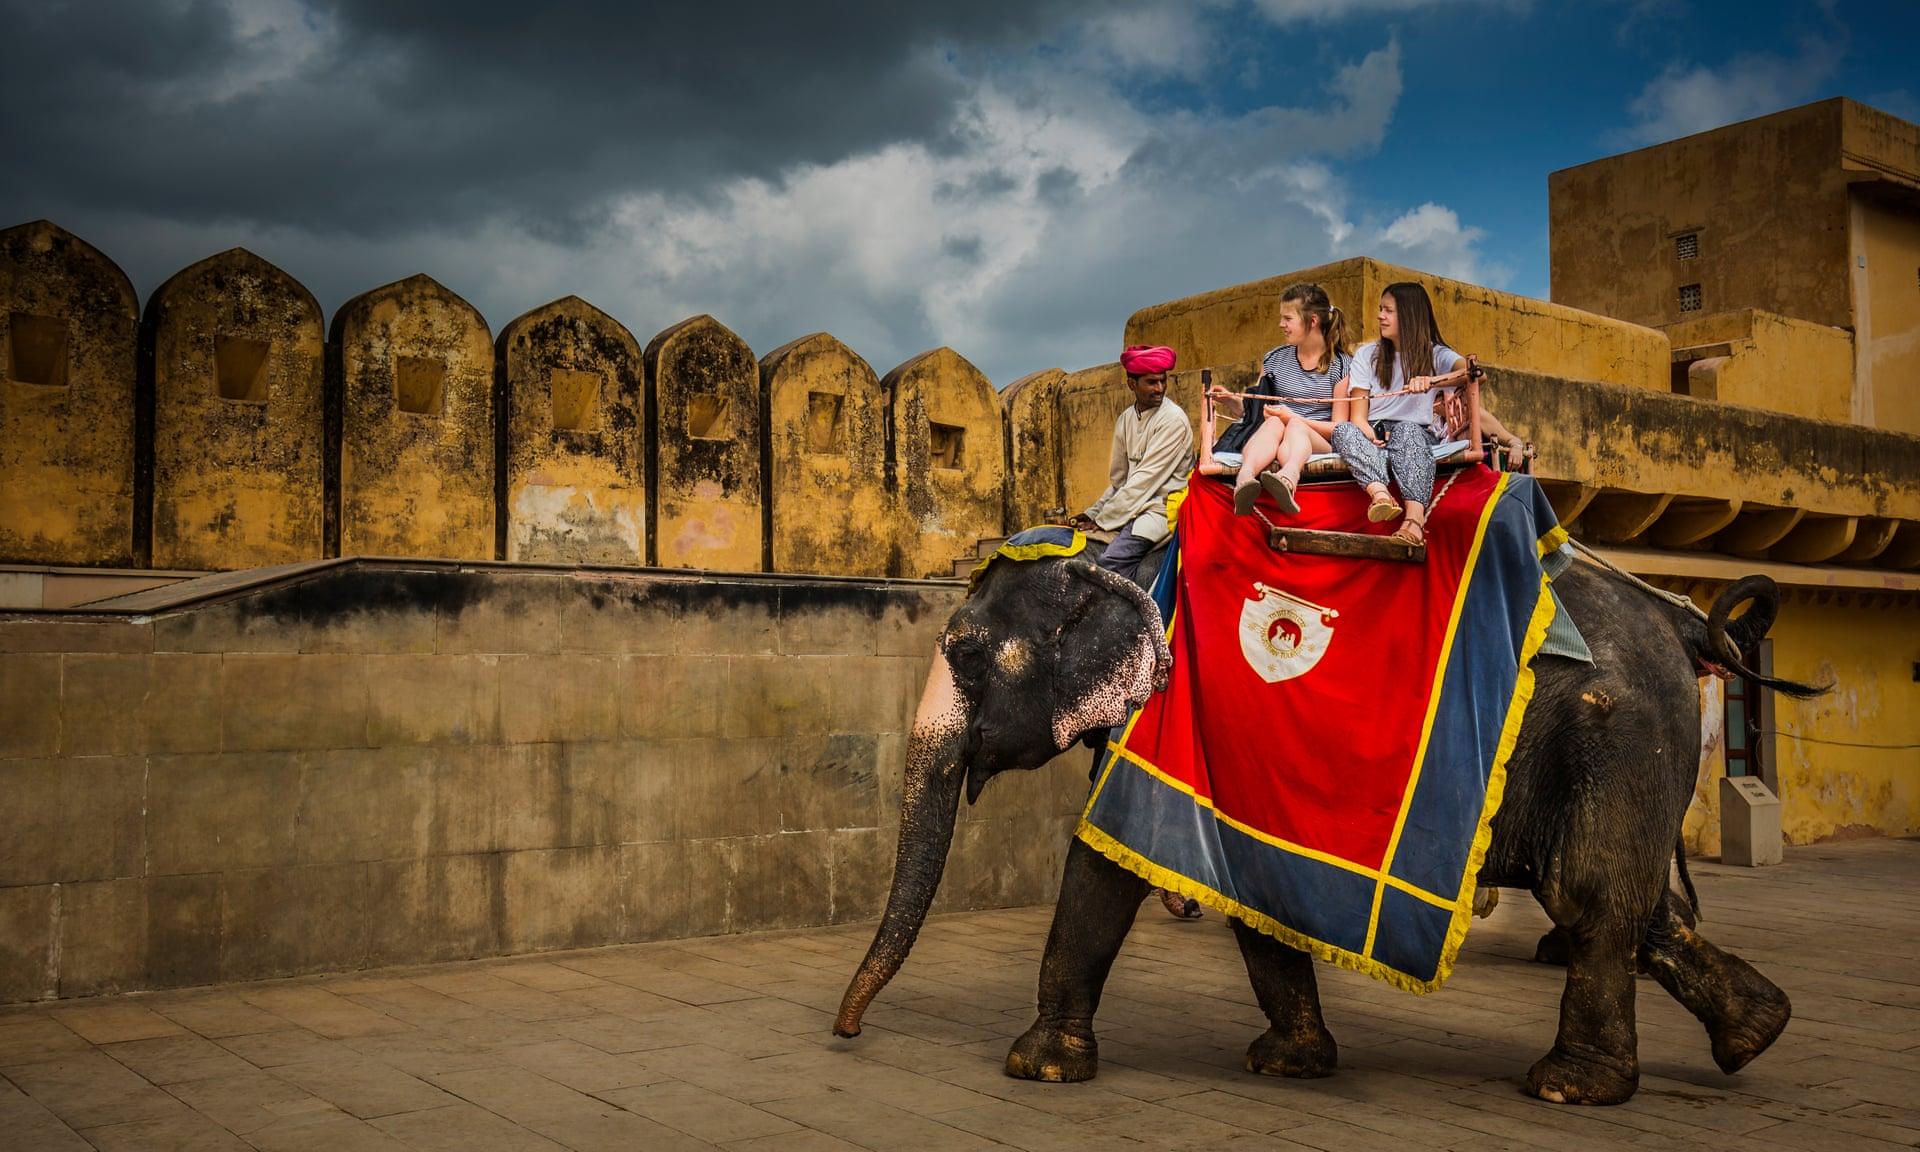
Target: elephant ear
[1112,655]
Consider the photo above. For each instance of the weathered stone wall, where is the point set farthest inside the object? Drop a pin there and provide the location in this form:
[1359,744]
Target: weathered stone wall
[1766,200]
[237,353]
[1765,361]
[1032,405]
[67,330]
[416,452]
[830,505]
[1090,401]
[1232,325]
[703,402]
[949,446]
[573,454]
[381,765]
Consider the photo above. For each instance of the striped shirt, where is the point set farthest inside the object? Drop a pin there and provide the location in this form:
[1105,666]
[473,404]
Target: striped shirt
[1307,394]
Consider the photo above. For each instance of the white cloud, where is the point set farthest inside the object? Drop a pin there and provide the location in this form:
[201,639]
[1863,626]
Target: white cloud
[1050,209]
[1688,98]
[1432,239]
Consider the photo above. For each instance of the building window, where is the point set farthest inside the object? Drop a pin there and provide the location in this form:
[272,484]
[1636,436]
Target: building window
[576,400]
[37,350]
[1688,246]
[240,369]
[1690,298]
[420,384]
[826,423]
[947,444]
[709,417]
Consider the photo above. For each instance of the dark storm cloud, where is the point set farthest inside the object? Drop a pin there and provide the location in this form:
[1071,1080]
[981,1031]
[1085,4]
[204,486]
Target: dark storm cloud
[370,117]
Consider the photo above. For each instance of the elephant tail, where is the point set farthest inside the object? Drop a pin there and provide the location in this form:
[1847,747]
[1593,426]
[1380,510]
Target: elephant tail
[1686,878]
[1728,639]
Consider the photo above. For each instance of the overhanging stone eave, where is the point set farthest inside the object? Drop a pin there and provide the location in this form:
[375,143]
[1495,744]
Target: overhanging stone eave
[1651,562]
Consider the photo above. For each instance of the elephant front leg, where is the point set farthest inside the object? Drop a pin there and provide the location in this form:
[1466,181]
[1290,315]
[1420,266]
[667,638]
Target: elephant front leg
[1743,1011]
[1296,1042]
[1098,899]
[1595,1058]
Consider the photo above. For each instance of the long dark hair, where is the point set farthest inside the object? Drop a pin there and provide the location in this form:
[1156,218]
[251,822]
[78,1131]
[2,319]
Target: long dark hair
[1419,332]
[1313,302]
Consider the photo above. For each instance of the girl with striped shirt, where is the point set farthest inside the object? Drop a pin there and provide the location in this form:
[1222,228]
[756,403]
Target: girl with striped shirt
[1301,375]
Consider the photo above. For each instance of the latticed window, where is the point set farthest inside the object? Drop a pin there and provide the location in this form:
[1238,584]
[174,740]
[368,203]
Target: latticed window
[1687,247]
[1690,298]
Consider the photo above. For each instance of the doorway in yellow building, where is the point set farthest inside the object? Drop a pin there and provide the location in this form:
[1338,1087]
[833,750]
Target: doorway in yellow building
[1749,721]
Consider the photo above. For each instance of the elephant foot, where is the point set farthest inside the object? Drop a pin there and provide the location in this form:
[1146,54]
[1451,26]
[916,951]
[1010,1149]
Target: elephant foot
[1554,948]
[1049,1053]
[1742,1011]
[1306,1057]
[1763,1012]
[1563,1076]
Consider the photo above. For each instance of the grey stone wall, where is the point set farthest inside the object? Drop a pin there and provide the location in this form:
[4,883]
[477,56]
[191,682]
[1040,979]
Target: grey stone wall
[379,764]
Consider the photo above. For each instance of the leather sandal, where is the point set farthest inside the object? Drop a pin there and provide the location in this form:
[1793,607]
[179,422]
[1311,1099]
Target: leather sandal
[1412,532]
[1178,906]
[1281,489]
[1244,494]
[1383,509]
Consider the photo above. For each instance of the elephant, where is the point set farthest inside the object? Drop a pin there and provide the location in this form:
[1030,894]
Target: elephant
[1045,652]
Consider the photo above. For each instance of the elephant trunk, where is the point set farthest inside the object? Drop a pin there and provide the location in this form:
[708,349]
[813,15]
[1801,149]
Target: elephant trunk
[934,771]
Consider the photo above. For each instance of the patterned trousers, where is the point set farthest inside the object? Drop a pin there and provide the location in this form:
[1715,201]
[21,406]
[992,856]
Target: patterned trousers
[1407,459]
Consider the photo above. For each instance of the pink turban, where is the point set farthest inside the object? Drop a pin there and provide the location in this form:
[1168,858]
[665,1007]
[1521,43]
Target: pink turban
[1147,360]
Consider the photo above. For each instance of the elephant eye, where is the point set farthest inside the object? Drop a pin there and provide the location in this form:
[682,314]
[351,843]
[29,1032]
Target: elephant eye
[967,654]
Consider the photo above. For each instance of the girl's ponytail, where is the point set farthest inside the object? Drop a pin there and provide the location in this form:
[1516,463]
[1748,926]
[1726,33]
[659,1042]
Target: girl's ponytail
[1336,330]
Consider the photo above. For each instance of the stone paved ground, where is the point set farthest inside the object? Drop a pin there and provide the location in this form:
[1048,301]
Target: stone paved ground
[724,1042]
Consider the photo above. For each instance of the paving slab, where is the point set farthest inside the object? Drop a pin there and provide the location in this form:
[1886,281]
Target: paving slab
[723,1042]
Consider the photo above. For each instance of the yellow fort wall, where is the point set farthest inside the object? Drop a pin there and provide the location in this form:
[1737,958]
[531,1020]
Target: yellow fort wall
[1231,325]
[1849,761]
[703,398]
[1032,404]
[831,509]
[949,460]
[1766,361]
[67,328]
[1887,296]
[574,484]
[416,457]
[236,350]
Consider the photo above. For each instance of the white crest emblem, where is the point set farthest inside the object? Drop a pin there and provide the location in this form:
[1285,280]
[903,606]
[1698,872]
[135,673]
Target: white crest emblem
[1283,636]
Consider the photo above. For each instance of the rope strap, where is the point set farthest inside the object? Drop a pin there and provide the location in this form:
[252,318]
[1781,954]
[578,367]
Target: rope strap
[1677,601]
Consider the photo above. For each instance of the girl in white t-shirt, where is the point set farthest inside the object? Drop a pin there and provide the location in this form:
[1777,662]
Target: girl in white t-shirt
[1393,438]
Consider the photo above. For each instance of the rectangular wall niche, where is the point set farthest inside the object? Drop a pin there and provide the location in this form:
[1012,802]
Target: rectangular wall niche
[36,350]
[420,384]
[709,417]
[576,400]
[946,445]
[240,369]
[826,423]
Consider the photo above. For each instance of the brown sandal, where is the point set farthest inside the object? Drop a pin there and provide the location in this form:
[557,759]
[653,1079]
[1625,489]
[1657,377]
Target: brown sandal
[1383,509]
[1244,494]
[1412,532]
[1178,906]
[1281,489]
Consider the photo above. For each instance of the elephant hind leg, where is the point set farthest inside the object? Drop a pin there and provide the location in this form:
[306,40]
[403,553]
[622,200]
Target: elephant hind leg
[1743,1011]
[1594,1059]
[1098,899]
[1297,1042]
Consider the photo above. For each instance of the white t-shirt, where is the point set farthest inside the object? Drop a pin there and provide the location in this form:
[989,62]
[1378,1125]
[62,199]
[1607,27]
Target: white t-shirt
[1417,408]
